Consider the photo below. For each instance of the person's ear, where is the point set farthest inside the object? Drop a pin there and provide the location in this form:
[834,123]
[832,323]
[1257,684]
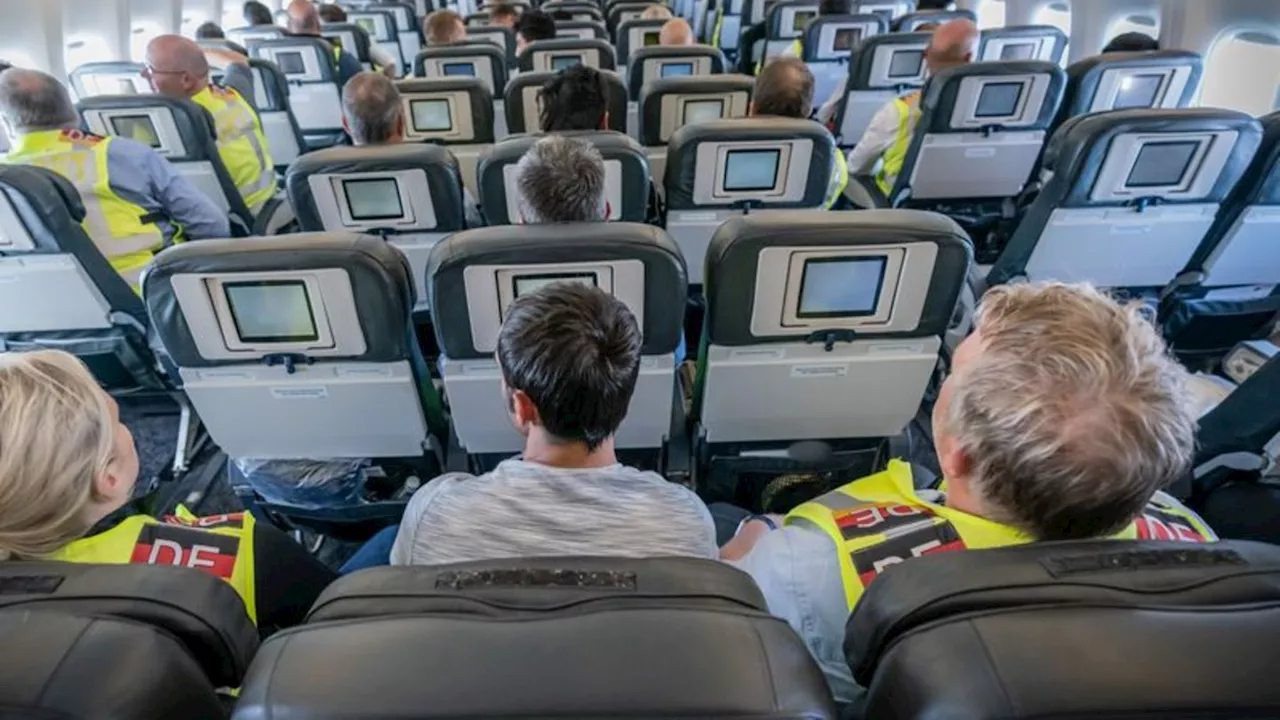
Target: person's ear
[604,121]
[954,462]
[523,412]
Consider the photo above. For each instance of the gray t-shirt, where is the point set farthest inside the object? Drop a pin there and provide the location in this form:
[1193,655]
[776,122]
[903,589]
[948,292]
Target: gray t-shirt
[524,509]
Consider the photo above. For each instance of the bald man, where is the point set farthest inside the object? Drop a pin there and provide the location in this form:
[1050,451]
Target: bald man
[676,32]
[888,137]
[304,20]
[177,68]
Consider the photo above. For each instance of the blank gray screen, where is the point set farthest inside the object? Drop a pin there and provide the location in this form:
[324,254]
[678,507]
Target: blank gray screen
[841,287]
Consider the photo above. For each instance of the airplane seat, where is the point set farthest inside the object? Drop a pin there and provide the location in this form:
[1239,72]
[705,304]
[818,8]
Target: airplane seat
[477,19]
[721,169]
[723,22]
[501,37]
[309,67]
[408,26]
[1160,79]
[820,328]
[582,30]
[582,637]
[220,44]
[556,55]
[474,276]
[1023,42]
[456,112]
[350,37]
[474,59]
[616,13]
[184,134]
[881,68]
[785,23]
[828,46]
[522,106]
[647,64]
[383,29]
[578,12]
[626,169]
[246,35]
[271,98]
[667,104]
[1058,630]
[302,347]
[635,34]
[409,193]
[1129,196]
[109,78]
[912,21]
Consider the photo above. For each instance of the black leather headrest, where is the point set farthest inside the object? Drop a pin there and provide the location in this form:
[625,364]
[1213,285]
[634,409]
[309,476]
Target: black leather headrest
[665,279]
[864,57]
[361,50]
[379,273]
[514,106]
[940,93]
[650,118]
[607,59]
[1050,629]
[1083,76]
[444,180]
[733,259]
[200,611]
[636,60]
[481,101]
[814,31]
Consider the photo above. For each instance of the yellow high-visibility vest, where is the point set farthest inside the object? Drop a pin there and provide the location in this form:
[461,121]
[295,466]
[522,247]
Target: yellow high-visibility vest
[241,144]
[894,158]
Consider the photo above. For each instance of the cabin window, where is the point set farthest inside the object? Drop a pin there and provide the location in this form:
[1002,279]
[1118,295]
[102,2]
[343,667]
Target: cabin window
[1242,72]
[1145,24]
[1057,14]
[991,14]
[191,22]
[86,49]
[139,36]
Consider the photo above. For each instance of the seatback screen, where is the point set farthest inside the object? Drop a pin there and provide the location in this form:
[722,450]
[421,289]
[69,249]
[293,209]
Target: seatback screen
[271,311]
[905,63]
[846,38]
[291,63]
[138,128]
[459,69]
[699,111]
[998,100]
[801,20]
[651,38]
[525,284]
[676,70]
[373,199]
[1138,91]
[1162,164]
[841,286]
[1018,51]
[751,170]
[560,62]
[430,115]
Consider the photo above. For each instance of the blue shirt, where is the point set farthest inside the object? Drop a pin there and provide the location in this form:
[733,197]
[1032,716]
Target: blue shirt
[348,67]
[138,174]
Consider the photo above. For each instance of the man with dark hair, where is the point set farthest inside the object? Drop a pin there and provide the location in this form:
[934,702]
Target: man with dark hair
[785,89]
[533,26]
[210,31]
[1132,42]
[569,356]
[255,13]
[575,98]
[504,14]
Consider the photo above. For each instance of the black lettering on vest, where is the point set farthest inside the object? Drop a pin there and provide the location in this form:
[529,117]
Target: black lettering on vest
[877,518]
[875,559]
[187,547]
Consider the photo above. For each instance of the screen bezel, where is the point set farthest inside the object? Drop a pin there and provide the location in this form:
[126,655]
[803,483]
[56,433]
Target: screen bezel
[346,199]
[314,337]
[1160,78]
[1196,146]
[552,59]
[1031,54]
[549,278]
[1017,101]
[684,108]
[854,32]
[893,56]
[445,68]
[155,131]
[777,168]
[292,53]
[413,117]
[800,314]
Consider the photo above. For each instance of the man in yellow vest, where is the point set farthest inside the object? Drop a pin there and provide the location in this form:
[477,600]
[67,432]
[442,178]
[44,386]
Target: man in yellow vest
[177,68]
[784,88]
[1062,418]
[135,202]
[888,137]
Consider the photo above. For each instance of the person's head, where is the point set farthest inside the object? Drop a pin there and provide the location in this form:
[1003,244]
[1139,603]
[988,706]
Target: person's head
[444,27]
[210,31]
[5,65]
[675,32]
[570,356]
[332,13]
[656,12]
[32,101]
[953,43]
[1132,42]
[304,18]
[176,67]
[561,179]
[833,7]
[575,98]
[67,461]
[533,26]
[372,112]
[504,14]
[783,88]
[255,13]
[1063,413]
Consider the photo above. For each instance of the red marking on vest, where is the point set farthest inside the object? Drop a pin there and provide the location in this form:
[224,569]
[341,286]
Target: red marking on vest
[934,538]
[80,137]
[1155,525]
[870,519]
[185,547]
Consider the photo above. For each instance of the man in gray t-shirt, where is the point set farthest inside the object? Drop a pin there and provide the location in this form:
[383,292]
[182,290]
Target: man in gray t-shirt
[569,355]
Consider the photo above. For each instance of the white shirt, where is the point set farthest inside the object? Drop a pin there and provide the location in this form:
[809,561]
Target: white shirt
[879,136]
[383,59]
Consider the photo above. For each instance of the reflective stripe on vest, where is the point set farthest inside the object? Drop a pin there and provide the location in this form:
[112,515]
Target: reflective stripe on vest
[879,521]
[839,178]
[114,224]
[241,144]
[221,545]
[896,155]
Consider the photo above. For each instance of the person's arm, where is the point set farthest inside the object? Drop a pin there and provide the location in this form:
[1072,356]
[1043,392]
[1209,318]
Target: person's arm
[186,206]
[287,579]
[749,533]
[348,67]
[385,61]
[880,136]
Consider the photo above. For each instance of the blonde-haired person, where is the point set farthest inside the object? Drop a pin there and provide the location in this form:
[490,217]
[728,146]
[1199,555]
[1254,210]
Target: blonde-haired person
[1062,418]
[656,12]
[68,467]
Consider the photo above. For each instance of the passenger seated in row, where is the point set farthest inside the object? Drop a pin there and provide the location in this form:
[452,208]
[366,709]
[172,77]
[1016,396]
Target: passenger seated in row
[210,31]
[826,8]
[136,203]
[255,13]
[785,89]
[676,32]
[304,20]
[570,356]
[561,179]
[888,136]
[444,27]
[656,12]
[575,98]
[1132,42]
[176,68]
[373,114]
[67,474]
[383,61]
[1062,418]
[504,15]
[533,26]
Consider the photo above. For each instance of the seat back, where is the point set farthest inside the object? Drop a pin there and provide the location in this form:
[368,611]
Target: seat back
[705,645]
[408,30]
[383,31]
[635,34]
[501,36]
[523,108]
[829,45]
[409,193]
[350,37]
[911,22]
[785,22]
[295,347]
[825,326]
[668,104]
[981,131]
[723,168]
[556,55]
[1023,42]
[491,267]
[309,67]
[1163,79]
[271,98]
[647,64]
[626,170]
[456,112]
[180,131]
[619,12]
[1045,630]
[109,78]
[480,60]
[881,68]
[245,35]
[578,12]
[220,44]
[582,29]
[1129,197]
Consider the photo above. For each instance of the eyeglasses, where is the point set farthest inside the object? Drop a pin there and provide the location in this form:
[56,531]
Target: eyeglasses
[149,72]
